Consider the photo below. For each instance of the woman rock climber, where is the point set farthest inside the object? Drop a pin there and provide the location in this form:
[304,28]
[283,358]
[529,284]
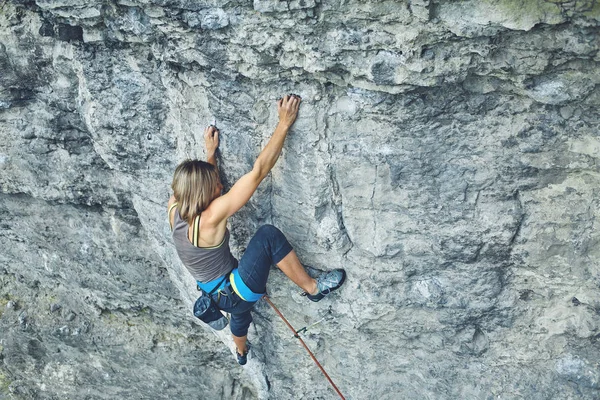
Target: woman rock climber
[198,215]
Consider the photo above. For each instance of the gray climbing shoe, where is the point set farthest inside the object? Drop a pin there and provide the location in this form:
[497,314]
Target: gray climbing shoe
[327,283]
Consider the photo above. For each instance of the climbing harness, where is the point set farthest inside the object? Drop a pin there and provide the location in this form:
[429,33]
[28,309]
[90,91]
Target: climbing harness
[237,284]
[241,289]
[304,344]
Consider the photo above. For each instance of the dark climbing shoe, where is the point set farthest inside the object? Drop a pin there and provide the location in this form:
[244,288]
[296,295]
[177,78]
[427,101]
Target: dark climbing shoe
[327,283]
[243,359]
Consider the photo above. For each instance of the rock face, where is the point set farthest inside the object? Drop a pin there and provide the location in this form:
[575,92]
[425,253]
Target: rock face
[446,154]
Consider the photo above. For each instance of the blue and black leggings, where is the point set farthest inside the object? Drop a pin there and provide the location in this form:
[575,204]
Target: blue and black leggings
[267,247]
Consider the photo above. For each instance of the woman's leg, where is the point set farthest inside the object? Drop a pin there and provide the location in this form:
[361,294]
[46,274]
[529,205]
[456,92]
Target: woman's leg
[269,247]
[291,267]
[239,324]
[240,343]
[240,319]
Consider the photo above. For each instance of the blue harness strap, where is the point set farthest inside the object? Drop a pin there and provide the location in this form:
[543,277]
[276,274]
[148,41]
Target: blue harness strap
[214,285]
[237,284]
[240,288]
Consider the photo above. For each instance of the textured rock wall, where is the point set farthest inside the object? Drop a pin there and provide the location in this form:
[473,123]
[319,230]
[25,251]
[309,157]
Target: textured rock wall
[446,154]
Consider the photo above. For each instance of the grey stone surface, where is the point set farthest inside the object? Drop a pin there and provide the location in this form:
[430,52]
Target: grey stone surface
[446,154]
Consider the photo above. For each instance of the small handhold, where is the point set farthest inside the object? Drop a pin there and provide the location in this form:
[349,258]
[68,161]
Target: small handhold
[525,294]
[23,318]
[575,301]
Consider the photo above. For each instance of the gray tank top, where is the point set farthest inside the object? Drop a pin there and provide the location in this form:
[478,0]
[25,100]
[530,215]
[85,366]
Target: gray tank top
[204,263]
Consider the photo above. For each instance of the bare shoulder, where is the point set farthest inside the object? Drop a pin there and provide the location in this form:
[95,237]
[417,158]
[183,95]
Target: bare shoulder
[172,201]
[212,230]
[209,218]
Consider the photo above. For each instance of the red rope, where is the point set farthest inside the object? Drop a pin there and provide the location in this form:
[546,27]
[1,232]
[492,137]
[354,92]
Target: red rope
[305,346]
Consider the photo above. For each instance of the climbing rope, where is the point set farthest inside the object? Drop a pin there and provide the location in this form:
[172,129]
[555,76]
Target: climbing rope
[303,344]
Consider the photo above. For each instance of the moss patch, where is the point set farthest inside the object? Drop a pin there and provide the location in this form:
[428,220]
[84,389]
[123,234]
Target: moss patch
[524,14]
[594,11]
[4,383]
[3,302]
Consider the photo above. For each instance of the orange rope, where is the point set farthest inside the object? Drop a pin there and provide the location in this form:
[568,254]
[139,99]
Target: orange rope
[304,344]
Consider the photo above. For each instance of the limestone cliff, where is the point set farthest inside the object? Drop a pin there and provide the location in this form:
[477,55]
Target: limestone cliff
[447,155]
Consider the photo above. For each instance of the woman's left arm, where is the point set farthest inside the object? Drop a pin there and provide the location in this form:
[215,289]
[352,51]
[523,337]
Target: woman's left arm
[211,139]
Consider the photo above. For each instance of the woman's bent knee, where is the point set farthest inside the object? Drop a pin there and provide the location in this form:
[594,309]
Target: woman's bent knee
[240,323]
[268,230]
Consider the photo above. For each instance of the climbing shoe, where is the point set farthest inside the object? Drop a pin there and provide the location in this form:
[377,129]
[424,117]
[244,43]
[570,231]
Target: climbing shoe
[327,283]
[243,359]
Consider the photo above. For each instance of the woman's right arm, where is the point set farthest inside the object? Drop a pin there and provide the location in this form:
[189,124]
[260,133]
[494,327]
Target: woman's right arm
[225,206]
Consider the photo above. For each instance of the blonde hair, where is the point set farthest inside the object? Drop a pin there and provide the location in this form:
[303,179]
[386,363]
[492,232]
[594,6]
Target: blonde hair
[194,185]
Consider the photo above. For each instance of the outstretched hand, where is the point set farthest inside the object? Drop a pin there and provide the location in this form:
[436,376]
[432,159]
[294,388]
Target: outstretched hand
[287,108]
[211,139]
